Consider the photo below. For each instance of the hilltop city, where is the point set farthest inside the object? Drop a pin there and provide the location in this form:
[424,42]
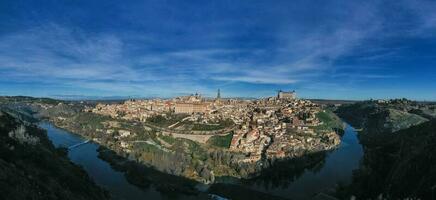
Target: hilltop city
[276,127]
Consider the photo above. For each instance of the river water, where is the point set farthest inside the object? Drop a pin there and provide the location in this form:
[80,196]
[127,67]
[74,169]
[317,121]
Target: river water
[334,167]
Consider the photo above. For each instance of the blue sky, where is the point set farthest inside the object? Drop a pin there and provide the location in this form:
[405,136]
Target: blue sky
[322,49]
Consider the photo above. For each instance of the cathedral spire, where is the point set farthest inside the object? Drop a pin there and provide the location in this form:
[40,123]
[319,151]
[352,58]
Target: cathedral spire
[218,95]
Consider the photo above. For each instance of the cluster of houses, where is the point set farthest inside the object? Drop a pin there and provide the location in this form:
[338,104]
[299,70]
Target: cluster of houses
[140,110]
[281,128]
[275,127]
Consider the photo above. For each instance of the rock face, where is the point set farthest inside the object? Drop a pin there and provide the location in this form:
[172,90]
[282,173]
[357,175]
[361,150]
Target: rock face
[31,168]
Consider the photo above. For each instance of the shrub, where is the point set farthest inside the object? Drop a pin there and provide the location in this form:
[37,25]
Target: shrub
[23,137]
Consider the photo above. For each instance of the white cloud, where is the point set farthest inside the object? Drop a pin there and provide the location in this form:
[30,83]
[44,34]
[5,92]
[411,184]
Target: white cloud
[124,63]
[258,80]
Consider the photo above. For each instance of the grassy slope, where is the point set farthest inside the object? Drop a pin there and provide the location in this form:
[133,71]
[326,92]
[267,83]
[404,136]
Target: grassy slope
[399,120]
[329,121]
[221,141]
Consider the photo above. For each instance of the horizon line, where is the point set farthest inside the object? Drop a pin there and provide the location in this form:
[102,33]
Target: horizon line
[115,98]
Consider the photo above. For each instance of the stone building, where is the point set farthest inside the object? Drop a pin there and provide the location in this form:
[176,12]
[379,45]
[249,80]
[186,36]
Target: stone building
[196,107]
[286,95]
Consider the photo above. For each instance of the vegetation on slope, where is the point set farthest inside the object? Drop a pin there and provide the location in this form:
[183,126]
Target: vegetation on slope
[329,121]
[31,168]
[162,121]
[399,120]
[397,165]
[374,117]
[221,141]
[399,148]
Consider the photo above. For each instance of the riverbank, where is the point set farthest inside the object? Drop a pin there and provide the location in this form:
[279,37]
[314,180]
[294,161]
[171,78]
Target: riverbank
[300,179]
[109,177]
[144,176]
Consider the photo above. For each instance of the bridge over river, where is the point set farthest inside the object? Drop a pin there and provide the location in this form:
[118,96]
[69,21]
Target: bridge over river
[78,144]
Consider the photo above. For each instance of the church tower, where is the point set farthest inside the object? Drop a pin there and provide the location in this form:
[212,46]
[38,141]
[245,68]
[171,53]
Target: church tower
[218,95]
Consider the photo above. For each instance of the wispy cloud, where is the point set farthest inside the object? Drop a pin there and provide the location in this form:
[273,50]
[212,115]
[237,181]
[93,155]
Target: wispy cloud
[194,54]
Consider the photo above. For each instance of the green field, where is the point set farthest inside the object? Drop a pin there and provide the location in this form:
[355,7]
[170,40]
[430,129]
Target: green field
[221,141]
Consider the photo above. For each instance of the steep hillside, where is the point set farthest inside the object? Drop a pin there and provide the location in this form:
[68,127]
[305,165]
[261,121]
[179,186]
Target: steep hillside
[398,137]
[397,165]
[374,117]
[398,120]
[31,168]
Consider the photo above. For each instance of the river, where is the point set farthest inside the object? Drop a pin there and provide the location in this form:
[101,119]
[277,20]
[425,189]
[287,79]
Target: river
[100,171]
[334,167]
